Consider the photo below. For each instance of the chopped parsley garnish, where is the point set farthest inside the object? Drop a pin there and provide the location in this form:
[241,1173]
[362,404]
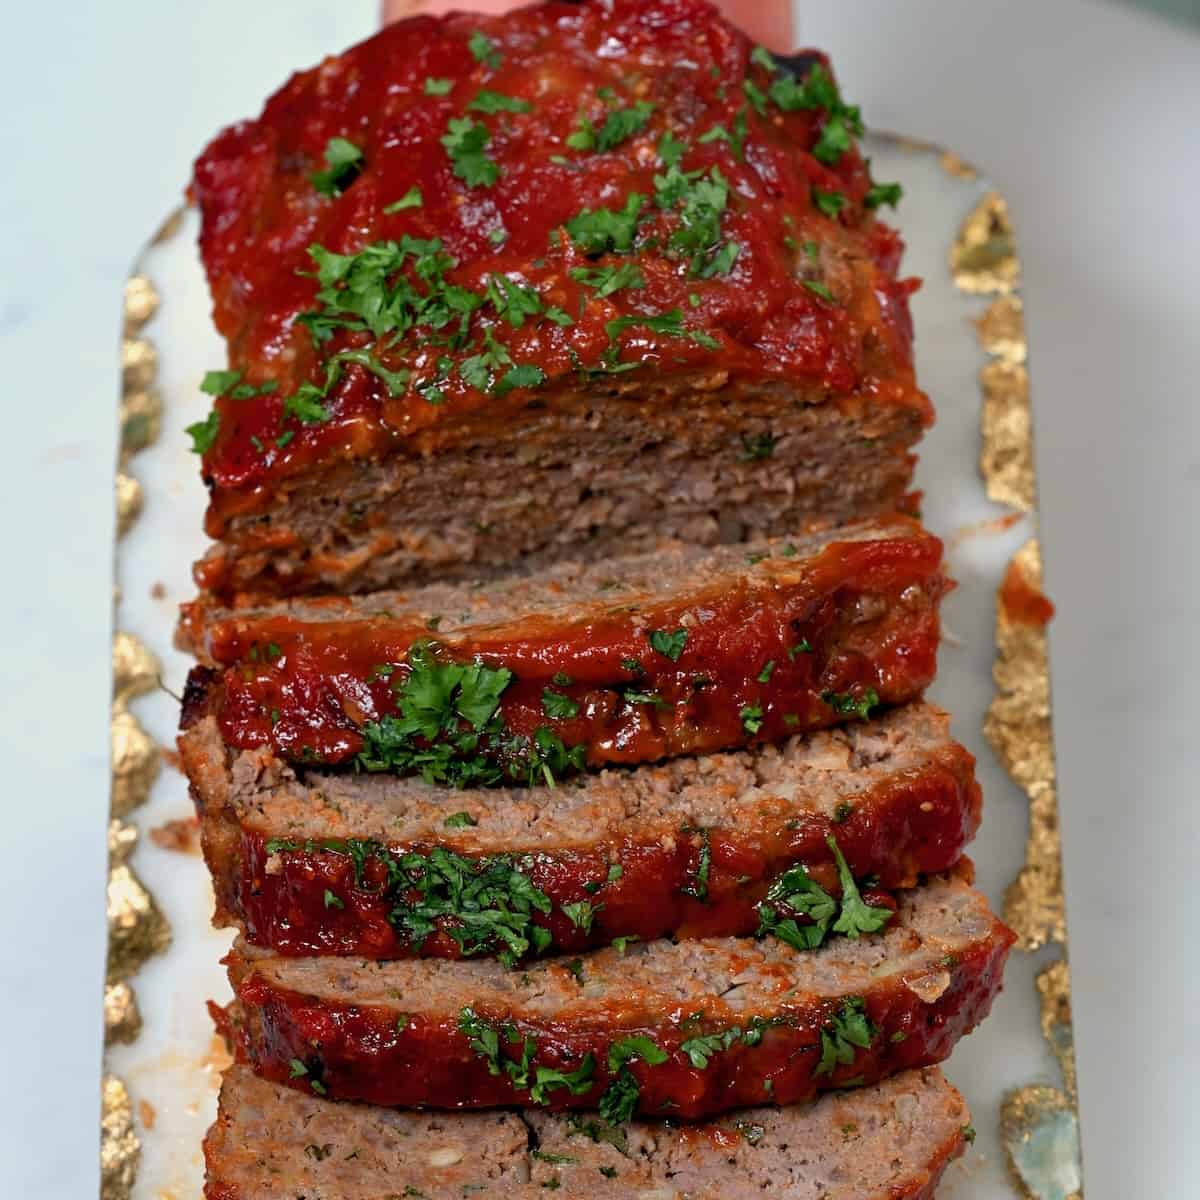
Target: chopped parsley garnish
[819,289]
[449,730]
[343,162]
[483,49]
[620,1099]
[757,446]
[756,96]
[796,892]
[700,1049]
[883,193]
[553,1159]
[548,1079]
[670,149]
[830,203]
[968,1134]
[604,229]
[204,433]
[297,1069]
[607,280]
[670,323]
[581,913]
[857,917]
[803,646]
[332,901]
[460,820]
[817,90]
[438,87]
[513,301]
[557,706]
[765,59]
[495,102]
[849,1030]
[735,140]
[846,704]
[411,199]
[466,143]
[752,718]
[637,1046]
[524,376]
[618,127]
[701,198]
[217,383]
[768,670]
[670,644]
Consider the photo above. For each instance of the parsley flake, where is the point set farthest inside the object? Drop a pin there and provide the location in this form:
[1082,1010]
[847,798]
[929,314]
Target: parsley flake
[466,143]
[411,199]
[438,87]
[670,644]
[204,433]
[496,102]
[343,162]
[483,49]
[558,707]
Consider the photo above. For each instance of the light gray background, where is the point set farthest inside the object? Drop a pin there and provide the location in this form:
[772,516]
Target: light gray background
[1086,115]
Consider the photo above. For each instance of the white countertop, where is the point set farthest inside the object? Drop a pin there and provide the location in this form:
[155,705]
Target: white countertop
[1086,116]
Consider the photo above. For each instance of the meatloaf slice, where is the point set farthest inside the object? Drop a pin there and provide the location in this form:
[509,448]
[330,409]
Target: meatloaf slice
[503,290]
[890,1141]
[632,660]
[321,862]
[686,1029]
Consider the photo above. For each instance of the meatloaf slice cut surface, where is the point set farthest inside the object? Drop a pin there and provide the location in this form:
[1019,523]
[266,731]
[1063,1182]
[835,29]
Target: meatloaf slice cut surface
[321,862]
[686,1029]
[497,290]
[633,660]
[891,1141]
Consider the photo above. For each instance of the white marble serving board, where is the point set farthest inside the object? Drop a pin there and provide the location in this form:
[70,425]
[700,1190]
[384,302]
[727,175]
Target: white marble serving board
[171,1065]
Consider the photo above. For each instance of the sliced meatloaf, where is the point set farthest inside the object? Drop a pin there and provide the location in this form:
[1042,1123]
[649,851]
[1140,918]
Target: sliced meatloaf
[891,1141]
[686,1029]
[626,661]
[321,862]
[511,289]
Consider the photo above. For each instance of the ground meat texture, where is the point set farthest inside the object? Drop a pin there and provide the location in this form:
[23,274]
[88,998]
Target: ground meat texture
[683,1029]
[632,660]
[731,355]
[891,1141]
[897,794]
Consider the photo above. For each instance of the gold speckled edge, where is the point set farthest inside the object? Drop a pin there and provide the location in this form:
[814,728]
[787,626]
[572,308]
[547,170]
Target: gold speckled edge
[1039,1124]
[137,928]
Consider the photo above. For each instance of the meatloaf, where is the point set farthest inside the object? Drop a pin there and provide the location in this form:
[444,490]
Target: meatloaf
[627,661]
[685,1029]
[551,284]
[321,862]
[887,1142]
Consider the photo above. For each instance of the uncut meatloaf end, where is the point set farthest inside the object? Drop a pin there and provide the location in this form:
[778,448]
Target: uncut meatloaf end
[897,794]
[732,1022]
[887,1142]
[732,356]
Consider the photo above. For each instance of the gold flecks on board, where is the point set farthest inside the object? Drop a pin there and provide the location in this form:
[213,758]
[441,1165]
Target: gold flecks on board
[141,420]
[1054,987]
[1040,1131]
[1001,329]
[129,502]
[139,364]
[984,256]
[122,1018]
[1006,457]
[141,303]
[135,762]
[1017,727]
[120,1150]
[135,669]
[137,930]
[958,167]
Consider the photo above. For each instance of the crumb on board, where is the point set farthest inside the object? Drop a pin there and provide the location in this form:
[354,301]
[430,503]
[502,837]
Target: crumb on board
[147,1113]
[158,591]
[181,835]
